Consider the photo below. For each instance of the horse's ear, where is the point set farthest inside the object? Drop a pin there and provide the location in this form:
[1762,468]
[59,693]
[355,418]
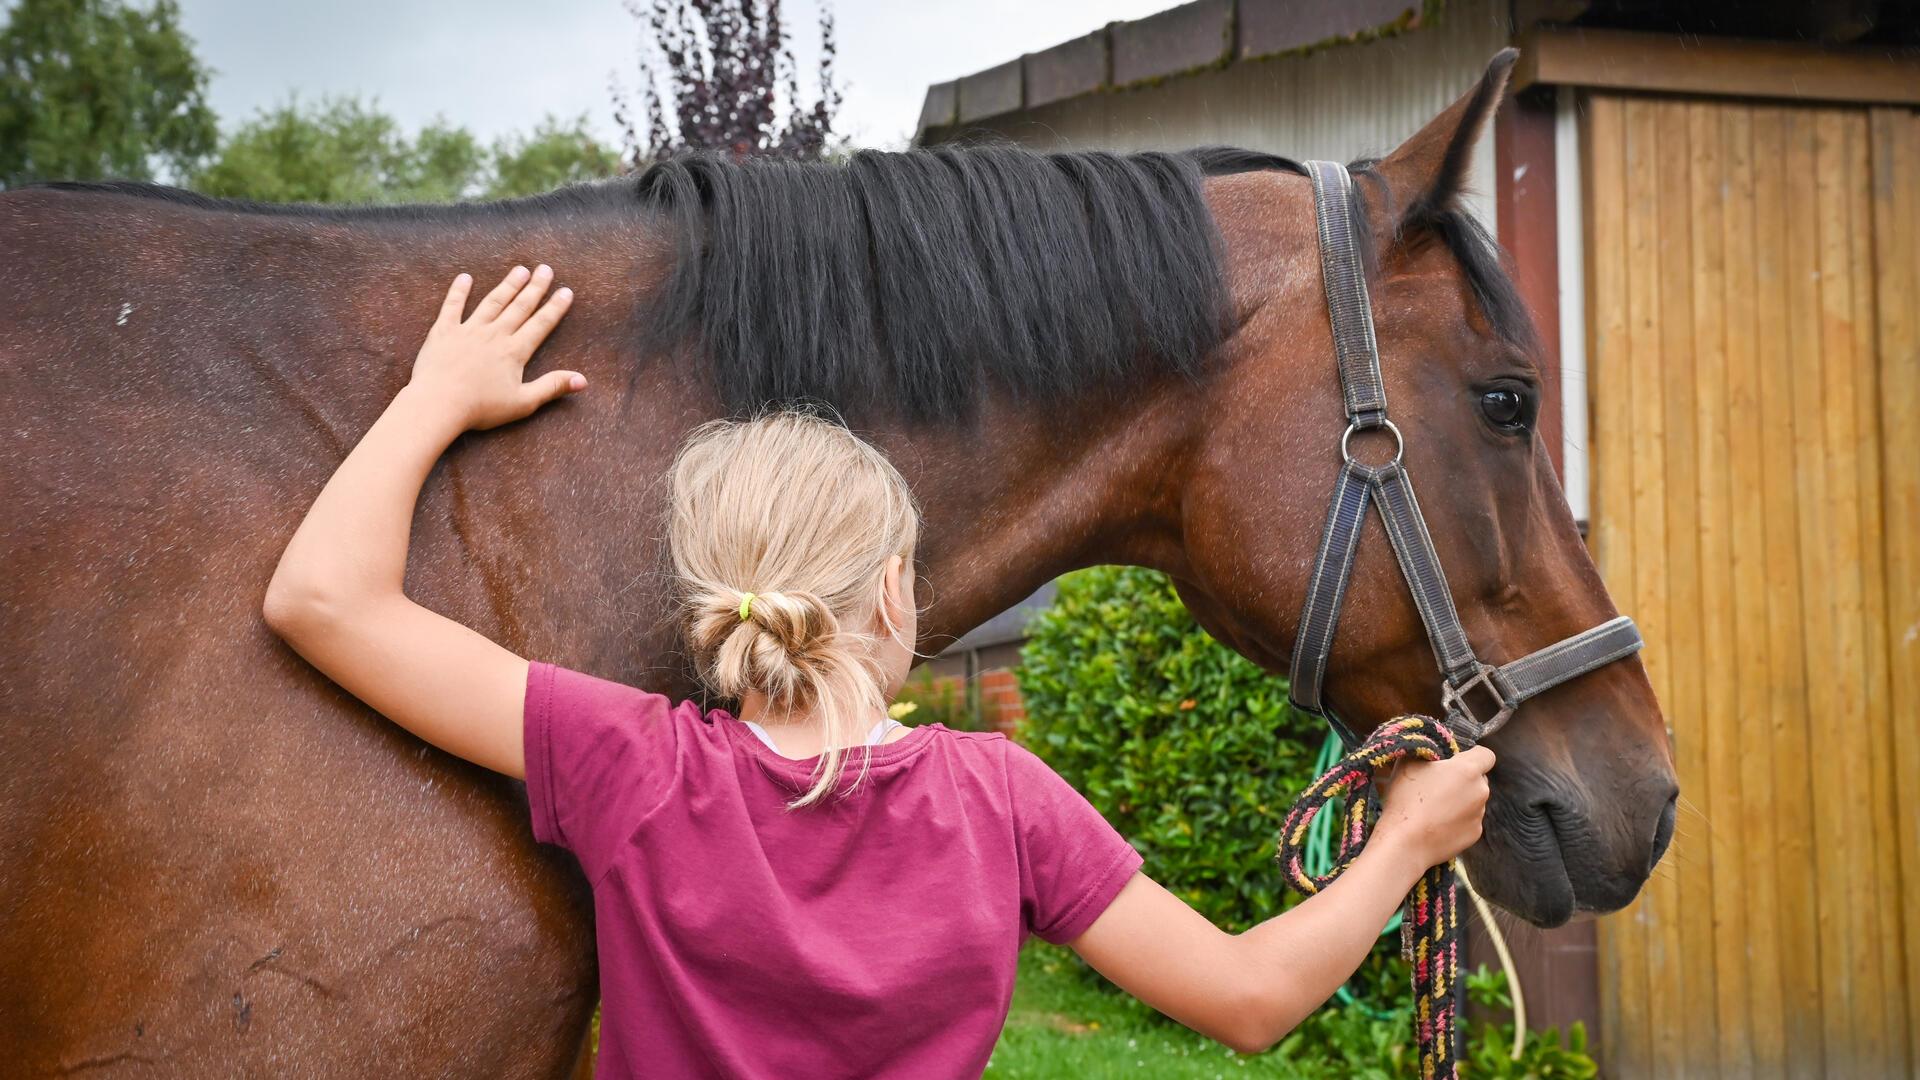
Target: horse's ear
[1428,171]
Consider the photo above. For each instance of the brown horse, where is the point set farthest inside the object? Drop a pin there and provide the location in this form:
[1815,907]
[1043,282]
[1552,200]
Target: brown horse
[213,861]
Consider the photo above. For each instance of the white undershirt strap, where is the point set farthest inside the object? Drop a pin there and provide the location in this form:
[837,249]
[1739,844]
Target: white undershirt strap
[879,732]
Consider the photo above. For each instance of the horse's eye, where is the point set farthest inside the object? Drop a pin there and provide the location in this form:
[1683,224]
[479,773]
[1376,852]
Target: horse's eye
[1506,408]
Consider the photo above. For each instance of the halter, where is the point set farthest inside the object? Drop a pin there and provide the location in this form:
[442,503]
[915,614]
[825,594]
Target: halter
[1478,697]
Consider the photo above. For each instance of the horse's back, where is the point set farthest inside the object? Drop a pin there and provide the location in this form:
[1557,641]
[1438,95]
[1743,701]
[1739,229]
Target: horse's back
[210,859]
[145,494]
[130,359]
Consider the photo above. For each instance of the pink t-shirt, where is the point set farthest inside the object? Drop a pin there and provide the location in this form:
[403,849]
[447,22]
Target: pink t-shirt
[874,935]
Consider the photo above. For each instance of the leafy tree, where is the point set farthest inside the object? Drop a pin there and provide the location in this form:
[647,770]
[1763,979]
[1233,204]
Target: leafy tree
[343,151]
[554,154]
[443,162]
[720,75]
[94,88]
[346,151]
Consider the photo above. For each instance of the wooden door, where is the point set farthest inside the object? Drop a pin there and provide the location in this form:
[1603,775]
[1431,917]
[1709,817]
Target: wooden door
[1753,273]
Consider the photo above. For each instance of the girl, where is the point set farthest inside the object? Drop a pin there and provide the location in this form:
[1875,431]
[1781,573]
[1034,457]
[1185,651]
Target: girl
[799,887]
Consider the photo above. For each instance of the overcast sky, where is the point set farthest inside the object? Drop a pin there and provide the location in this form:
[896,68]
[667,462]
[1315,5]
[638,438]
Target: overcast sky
[497,66]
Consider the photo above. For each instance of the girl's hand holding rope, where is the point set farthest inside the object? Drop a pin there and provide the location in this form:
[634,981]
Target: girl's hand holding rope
[1433,810]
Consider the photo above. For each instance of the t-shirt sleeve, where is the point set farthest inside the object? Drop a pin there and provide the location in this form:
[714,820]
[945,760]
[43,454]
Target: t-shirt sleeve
[600,756]
[1072,863]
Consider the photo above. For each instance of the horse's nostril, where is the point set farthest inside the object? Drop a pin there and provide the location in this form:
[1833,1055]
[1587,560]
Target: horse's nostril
[1663,832]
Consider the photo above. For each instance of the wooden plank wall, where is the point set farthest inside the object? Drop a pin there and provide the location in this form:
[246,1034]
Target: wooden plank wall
[1895,139]
[1754,363]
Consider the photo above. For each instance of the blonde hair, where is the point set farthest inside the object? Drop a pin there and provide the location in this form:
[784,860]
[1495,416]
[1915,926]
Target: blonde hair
[782,530]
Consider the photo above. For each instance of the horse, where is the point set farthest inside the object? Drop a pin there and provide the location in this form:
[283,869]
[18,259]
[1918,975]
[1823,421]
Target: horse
[214,861]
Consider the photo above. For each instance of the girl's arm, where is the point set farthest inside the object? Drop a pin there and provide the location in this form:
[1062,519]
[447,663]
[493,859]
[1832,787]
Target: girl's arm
[1248,990]
[336,596]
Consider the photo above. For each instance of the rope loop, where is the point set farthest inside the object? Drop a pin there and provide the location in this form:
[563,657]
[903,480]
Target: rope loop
[1430,931]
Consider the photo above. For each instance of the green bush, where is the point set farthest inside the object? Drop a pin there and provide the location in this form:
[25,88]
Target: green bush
[1189,749]
[1543,1057]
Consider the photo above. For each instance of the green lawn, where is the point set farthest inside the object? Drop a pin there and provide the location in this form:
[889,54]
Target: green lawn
[1063,1025]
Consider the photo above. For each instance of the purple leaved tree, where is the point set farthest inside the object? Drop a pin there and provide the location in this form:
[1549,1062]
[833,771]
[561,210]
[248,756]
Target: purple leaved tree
[720,75]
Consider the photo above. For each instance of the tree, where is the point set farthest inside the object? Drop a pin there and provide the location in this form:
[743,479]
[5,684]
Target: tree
[724,69]
[343,151]
[346,151]
[551,156]
[95,88]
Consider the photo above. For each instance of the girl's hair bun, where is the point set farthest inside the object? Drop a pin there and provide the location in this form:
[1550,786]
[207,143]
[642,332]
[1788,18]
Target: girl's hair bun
[774,650]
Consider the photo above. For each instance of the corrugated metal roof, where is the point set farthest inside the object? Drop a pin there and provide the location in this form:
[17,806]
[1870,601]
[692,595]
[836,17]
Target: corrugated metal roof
[1354,101]
[1181,40]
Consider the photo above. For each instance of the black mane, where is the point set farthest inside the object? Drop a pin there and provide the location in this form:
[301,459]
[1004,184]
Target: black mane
[1480,256]
[915,280]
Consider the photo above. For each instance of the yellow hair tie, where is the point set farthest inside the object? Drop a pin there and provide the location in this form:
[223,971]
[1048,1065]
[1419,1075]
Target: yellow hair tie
[746,606]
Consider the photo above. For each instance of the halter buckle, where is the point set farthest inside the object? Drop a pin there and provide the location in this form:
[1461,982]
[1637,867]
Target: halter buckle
[1454,702]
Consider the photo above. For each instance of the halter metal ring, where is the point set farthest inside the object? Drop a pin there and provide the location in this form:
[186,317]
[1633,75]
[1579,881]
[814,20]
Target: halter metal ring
[1399,444]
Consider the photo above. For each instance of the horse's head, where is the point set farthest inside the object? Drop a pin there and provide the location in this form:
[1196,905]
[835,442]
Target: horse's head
[1583,795]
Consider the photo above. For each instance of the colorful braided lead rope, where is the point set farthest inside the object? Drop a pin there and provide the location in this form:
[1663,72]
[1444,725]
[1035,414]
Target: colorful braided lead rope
[1430,933]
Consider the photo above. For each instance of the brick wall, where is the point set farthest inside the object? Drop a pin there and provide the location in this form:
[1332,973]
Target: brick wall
[1000,698]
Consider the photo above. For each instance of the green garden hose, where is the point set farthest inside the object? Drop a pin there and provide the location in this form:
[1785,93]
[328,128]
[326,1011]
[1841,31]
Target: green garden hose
[1319,860]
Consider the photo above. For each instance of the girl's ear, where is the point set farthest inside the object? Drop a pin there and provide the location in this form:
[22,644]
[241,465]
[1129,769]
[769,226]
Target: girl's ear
[894,604]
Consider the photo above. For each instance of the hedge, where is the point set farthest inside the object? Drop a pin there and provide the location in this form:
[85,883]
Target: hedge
[1189,749]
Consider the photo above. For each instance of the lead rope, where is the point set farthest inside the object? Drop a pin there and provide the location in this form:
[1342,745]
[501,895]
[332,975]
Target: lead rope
[1430,929]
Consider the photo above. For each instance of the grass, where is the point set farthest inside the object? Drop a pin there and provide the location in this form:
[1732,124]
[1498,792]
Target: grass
[1064,1025]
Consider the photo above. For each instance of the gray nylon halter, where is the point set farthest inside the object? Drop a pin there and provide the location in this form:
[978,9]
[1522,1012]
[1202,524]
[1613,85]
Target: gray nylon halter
[1462,673]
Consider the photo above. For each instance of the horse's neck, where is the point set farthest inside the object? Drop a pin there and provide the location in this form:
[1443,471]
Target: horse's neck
[1009,503]
[1026,494]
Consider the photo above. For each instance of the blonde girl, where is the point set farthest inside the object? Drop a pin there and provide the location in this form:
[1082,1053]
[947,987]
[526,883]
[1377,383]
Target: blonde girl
[793,886]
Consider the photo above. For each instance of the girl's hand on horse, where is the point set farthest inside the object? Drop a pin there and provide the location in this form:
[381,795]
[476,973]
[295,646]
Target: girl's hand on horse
[1433,809]
[477,366]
